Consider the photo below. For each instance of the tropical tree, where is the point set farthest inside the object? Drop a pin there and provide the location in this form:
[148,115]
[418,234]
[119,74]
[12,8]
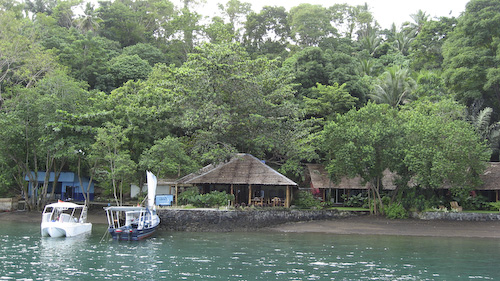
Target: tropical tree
[393,87]
[440,148]
[114,163]
[168,157]
[488,131]
[363,142]
[89,21]
[471,54]
[327,101]
[427,46]
[235,10]
[352,19]
[310,24]
[267,32]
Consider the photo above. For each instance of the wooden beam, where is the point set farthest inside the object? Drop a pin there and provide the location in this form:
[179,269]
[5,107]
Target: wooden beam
[232,193]
[176,193]
[287,199]
[249,194]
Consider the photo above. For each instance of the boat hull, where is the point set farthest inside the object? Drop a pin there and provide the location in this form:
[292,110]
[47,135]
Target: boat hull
[131,234]
[57,229]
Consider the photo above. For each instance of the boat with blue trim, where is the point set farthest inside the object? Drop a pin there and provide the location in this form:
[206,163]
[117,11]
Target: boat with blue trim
[134,223]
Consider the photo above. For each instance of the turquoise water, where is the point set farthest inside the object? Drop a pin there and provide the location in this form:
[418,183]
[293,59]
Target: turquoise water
[243,256]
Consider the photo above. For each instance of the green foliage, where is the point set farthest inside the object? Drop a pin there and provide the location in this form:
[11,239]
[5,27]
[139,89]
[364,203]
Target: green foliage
[471,54]
[358,200]
[396,211]
[269,96]
[441,147]
[475,203]
[186,196]
[305,200]
[125,68]
[393,87]
[362,142]
[495,205]
[192,196]
[167,157]
[326,101]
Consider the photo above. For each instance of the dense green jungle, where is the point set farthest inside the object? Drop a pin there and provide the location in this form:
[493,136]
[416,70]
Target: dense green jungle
[111,89]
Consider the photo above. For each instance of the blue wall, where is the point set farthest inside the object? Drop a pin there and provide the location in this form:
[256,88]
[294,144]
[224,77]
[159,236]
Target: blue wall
[67,187]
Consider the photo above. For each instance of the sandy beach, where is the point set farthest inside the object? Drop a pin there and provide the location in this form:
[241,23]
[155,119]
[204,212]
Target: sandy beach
[362,225]
[372,225]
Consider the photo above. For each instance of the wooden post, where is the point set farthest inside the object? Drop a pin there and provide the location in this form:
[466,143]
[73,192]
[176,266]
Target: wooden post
[176,193]
[249,194]
[497,195]
[232,193]
[288,199]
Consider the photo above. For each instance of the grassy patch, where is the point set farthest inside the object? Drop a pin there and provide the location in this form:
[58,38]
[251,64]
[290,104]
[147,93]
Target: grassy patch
[352,209]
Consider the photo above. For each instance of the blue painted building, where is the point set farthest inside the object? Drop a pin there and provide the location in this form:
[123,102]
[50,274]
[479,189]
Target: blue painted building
[67,186]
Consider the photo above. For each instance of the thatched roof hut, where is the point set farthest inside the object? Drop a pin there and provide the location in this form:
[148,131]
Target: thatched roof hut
[242,170]
[491,177]
[319,179]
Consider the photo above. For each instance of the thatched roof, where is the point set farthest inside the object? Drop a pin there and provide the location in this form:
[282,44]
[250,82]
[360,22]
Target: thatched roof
[491,177]
[319,179]
[241,169]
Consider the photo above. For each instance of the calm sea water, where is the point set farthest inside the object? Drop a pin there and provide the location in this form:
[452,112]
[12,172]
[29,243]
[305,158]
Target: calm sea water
[24,255]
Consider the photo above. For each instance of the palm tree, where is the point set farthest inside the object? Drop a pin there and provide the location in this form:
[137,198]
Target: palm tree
[366,67]
[393,87]
[370,40]
[489,132]
[403,41]
[420,18]
[89,21]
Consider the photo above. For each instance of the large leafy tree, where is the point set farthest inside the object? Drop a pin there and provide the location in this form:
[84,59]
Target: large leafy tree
[310,24]
[428,144]
[363,142]
[267,32]
[114,163]
[352,19]
[23,61]
[229,102]
[440,147]
[427,46]
[35,136]
[471,57]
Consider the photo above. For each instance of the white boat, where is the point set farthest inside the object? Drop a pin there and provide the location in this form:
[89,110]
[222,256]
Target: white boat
[134,223]
[65,219]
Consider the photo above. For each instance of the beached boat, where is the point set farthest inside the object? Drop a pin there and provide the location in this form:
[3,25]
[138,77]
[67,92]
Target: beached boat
[134,223]
[65,219]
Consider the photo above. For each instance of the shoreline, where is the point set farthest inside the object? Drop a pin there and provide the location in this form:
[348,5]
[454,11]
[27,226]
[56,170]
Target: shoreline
[356,225]
[373,225]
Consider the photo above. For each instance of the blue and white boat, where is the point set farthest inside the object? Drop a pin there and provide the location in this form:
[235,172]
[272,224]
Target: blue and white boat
[134,223]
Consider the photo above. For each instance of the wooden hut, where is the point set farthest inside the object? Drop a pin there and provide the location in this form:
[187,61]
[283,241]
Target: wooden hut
[319,182]
[491,182]
[249,179]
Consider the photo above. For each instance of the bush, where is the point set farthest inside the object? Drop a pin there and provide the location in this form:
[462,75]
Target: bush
[478,202]
[213,199]
[495,206]
[188,196]
[396,211]
[305,200]
[359,200]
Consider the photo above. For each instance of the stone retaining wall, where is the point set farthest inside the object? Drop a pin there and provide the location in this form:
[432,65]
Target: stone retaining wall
[8,204]
[226,221]
[459,216]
